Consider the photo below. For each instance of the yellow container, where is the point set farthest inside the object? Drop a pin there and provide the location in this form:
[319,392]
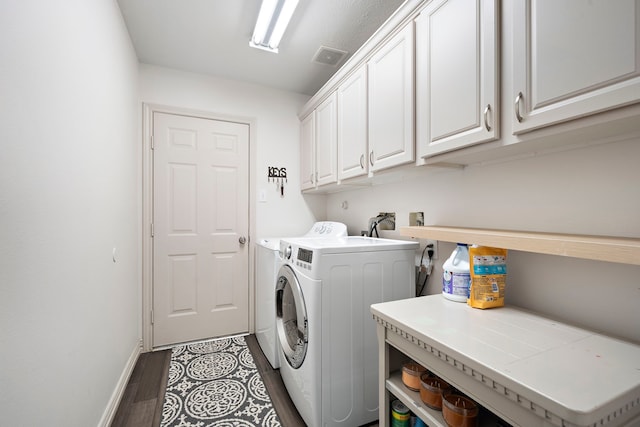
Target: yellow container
[400,415]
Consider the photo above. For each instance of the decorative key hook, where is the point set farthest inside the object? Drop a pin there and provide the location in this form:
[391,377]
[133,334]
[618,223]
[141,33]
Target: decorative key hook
[279,176]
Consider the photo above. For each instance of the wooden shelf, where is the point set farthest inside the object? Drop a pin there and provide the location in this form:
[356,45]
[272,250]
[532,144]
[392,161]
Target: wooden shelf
[611,249]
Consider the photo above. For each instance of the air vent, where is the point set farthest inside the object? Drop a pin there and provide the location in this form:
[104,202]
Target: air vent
[329,56]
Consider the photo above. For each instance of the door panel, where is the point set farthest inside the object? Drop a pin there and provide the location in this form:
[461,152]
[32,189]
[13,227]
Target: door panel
[390,102]
[457,94]
[589,37]
[200,270]
[462,81]
[182,198]
[182,280]
[307,152]
[326,141]
[573,59]
[291,317]
[352,126]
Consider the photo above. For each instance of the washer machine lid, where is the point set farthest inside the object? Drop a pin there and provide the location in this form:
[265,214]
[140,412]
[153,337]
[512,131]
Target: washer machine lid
[291,317]
[349,244]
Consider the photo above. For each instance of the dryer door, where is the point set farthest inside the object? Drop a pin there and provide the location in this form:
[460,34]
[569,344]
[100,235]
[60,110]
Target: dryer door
[291,317]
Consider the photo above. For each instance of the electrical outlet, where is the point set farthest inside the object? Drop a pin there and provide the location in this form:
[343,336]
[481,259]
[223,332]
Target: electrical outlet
[435,248]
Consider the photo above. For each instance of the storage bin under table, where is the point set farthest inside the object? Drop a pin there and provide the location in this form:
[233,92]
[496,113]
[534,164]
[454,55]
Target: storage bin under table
[527,369]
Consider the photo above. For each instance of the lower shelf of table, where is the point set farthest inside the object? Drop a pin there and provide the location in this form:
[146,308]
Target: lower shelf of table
[431,417]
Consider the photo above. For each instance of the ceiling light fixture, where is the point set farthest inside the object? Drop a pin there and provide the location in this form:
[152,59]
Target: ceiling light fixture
[272,22]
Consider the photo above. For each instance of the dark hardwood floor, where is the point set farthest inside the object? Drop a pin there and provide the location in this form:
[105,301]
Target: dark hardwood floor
[141,404]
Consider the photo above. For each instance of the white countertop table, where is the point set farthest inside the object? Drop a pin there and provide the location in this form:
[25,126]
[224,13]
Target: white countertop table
[565,375]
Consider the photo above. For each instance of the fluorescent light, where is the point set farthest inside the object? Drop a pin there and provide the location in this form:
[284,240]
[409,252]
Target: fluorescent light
[284,17]
[265,16]
[271,24]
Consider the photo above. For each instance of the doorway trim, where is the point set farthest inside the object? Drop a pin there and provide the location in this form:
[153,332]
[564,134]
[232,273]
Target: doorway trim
[148,110]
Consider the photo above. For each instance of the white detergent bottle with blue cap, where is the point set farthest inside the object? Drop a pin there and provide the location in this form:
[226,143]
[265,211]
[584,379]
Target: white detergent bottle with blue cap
[456,278]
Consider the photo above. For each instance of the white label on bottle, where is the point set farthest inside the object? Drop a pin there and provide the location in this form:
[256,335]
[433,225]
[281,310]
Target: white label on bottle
[456,283]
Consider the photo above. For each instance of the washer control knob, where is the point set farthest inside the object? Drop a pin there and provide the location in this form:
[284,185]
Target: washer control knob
[287,252]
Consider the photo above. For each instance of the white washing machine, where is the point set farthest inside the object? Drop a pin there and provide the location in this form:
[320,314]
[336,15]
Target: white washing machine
[267,265]
[327,336]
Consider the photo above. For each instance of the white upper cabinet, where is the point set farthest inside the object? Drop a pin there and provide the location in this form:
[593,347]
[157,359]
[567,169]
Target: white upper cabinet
[352,126]
[318,145]
[573,58]
[456,75]
[326,141]
[307,152]
[390,74]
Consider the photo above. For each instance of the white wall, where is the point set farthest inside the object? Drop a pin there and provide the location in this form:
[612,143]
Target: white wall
[70,193]
[69,315]
[592,190]
[276,139]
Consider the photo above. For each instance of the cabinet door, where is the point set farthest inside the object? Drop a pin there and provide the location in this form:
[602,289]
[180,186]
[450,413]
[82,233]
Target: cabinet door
[326,141]
[390,78]
[307,152]
[352,126]
[456,75]
[573,58]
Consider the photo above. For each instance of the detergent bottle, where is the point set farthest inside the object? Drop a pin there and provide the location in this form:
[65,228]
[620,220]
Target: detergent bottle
[456,278]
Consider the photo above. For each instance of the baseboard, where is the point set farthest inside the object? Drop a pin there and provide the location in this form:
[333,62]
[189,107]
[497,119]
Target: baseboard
[112,406]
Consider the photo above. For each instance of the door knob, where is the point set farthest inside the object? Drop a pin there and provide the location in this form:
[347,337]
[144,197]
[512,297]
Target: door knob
[242,240]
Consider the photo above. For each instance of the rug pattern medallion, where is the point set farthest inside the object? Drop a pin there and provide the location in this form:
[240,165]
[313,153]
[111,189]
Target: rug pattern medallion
[216,384]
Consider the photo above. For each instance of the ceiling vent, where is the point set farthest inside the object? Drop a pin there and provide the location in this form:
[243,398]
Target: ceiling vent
[329,56]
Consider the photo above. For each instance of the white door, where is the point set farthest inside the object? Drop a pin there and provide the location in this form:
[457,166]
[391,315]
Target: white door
[573,58]
[307,152]
[352,126]
[456,75]
[326,141]
[200,226]
[390,80]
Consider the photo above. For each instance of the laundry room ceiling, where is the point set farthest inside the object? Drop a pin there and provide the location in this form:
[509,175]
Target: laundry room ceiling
[212,37]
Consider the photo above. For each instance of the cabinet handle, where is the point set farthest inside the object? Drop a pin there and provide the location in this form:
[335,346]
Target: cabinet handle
[517,107]
[371,157]
[311,178]
[361,161]
[487,110]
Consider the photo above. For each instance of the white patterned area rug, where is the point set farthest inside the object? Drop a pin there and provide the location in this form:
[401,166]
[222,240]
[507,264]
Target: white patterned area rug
[216,384]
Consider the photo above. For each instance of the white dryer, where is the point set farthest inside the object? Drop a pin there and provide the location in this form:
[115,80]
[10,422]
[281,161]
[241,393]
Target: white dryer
[267,265]
[327,336]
